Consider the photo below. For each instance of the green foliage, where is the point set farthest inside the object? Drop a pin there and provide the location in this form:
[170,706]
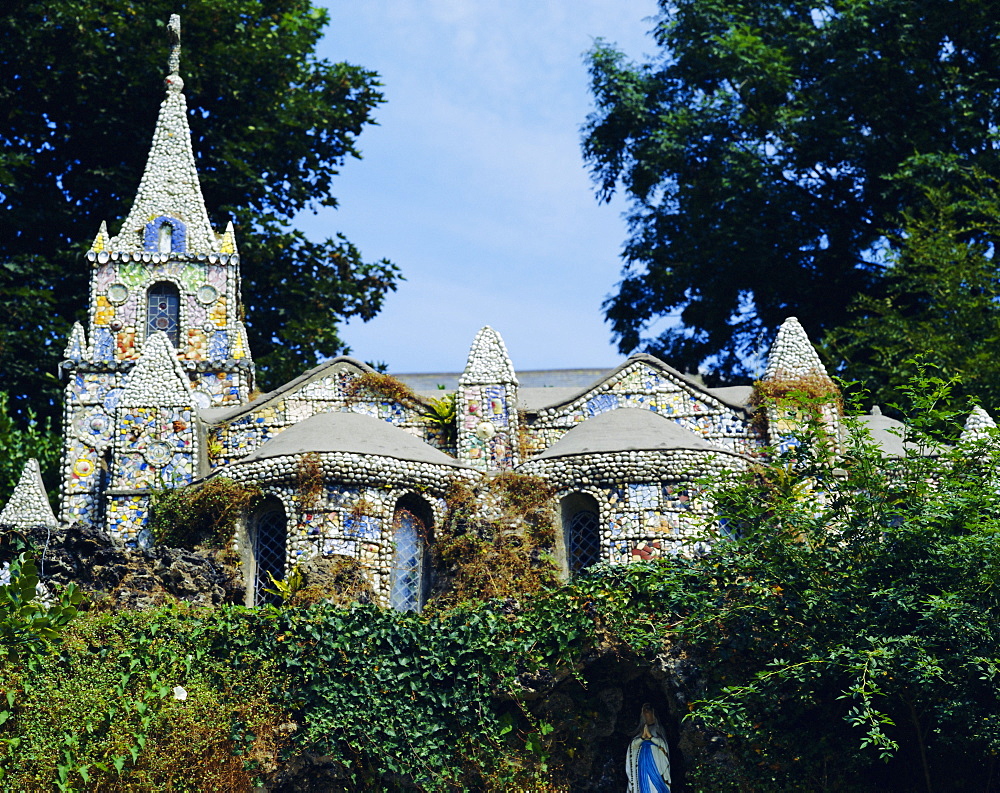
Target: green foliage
[849,636]
[272,124]
[29,626]
[497,540]
[137,700]
[287,587]
[204,514]
[441,413]
[754,151]
[21,439]
[939,299]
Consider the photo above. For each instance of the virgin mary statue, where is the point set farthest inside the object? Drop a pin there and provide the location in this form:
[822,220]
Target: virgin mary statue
[648,761]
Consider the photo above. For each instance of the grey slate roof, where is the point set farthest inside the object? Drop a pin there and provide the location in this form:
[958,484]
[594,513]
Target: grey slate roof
[627,430]
[353,433]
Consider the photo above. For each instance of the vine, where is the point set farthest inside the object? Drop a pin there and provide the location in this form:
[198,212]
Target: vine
[202,514]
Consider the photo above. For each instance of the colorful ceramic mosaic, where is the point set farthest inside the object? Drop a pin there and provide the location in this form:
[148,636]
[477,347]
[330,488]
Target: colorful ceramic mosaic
[158,387]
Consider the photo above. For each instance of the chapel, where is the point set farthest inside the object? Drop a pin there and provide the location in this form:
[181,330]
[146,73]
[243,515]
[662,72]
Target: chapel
[160,394]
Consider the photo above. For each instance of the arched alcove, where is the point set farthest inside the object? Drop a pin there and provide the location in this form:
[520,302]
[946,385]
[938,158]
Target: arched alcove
[581,529]
[412,527]
[267,530]
[163,310]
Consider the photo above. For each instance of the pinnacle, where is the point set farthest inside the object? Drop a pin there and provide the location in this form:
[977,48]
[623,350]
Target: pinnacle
[169,188]
[158,378]
[488,361]
[792,355]
[76,349]
[28,505]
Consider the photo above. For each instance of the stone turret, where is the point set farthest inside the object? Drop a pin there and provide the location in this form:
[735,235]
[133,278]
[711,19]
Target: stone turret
[168,272]
[795,386]
[486,406]
[977,426]
[155,444]
[29,503]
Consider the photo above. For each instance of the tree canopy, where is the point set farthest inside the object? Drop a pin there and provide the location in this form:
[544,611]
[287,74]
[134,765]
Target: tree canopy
[756,149]
[939,301]
[271,123]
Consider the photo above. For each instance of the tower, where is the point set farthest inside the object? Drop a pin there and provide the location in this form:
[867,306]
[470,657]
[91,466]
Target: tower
[166,272]
[486,406]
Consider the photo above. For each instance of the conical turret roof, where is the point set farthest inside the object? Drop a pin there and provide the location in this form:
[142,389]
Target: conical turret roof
[488,361]
[28,505]
[792,355]
[170,186]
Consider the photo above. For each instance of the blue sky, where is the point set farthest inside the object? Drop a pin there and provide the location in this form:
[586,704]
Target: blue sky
[473,182]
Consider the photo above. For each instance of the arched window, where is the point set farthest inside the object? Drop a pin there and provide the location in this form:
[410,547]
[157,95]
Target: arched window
[163,310]
[581,525]
[165,235]
[268,535]
[165,243]
[411,526]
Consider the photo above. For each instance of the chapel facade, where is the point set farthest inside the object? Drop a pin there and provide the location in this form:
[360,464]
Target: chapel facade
[160,394]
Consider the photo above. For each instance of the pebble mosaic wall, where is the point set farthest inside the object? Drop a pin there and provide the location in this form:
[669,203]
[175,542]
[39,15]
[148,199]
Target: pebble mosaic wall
[643,382]
[648,501]
[326,390]
[354,514]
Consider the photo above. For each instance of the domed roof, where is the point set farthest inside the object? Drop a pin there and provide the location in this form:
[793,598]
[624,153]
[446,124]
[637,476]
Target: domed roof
[353,433]
[626,430]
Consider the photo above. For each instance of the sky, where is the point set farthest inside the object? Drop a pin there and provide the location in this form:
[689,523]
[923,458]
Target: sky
[473,182]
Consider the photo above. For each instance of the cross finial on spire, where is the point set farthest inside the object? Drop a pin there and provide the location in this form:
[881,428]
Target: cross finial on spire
[174,35]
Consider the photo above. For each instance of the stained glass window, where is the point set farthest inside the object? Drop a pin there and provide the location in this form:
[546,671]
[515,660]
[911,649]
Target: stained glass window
[407,584]
[268,536]
[163,308]
[584,540]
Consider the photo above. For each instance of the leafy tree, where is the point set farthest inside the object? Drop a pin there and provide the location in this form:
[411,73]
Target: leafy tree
[939,300]
[849,637]
[754,152]
[271,126]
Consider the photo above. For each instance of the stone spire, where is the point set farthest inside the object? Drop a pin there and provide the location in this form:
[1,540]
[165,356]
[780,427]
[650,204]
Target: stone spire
[169,188]
[977,426]
[76,349]
[488,361]
[158,378]
[792,355]
[28,505]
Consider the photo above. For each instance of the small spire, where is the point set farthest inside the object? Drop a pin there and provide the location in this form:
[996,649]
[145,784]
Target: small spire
[241,347]
[29,505]
[488,361]
[228,244]
[158,378]
[174,36]
[77,347]
[792,355]
[102,239]
[977,426]
[169,192]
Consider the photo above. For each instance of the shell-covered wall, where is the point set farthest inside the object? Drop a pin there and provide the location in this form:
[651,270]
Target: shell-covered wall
[641,383]
[650,501]
[353,513]
[329,390]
